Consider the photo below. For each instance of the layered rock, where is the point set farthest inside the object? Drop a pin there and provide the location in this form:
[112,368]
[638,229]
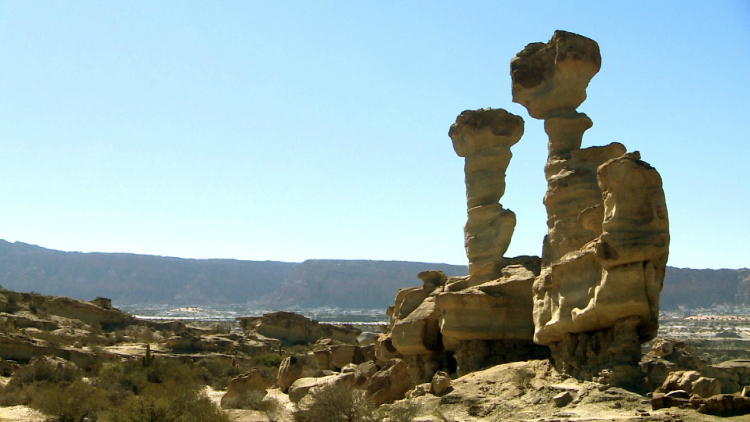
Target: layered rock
[483,138]
[291,328]
[605,252]
[461,324]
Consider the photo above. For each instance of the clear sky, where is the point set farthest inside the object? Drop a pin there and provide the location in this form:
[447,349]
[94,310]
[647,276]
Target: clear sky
[287,131]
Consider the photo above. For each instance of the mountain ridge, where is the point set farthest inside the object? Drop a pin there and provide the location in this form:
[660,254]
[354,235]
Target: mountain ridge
[128,278]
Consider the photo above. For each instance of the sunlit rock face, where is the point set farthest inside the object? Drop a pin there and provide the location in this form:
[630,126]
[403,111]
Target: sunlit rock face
[461,324]
[483,138]
[552,77]
[593,296]
[607,243]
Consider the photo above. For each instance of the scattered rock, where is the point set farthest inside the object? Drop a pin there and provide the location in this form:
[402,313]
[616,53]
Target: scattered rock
[241,386]
[390,383]
[290,370]
[562,399]
[441,384]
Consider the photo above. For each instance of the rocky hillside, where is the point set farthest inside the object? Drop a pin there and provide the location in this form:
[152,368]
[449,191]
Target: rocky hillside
[705,288]
[129,278]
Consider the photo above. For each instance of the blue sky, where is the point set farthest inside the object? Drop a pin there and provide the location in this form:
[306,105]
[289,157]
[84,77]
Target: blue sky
[300,130]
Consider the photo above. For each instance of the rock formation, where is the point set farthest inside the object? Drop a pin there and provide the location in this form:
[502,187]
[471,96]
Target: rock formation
[593,296]
[604,257]
[484,138]
[291,328]
[462,324]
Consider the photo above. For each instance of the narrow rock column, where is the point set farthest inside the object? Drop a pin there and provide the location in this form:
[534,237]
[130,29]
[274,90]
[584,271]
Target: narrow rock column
[550,80]
[597,296]
[484,137]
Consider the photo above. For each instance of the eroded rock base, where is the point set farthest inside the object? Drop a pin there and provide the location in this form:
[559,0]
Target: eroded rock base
[474,355]
[608,356]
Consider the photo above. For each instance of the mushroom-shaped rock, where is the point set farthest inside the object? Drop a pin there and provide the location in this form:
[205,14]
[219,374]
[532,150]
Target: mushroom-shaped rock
[484,138]
[554,76]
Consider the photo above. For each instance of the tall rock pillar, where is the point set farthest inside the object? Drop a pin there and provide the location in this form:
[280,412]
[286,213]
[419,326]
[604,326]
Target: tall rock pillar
[483,138]
[597,296]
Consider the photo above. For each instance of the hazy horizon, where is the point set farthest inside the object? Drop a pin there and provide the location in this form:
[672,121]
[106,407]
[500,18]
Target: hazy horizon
[292,130]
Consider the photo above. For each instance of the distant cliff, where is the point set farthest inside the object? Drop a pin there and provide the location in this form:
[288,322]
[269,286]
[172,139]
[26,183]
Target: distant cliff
[130,279]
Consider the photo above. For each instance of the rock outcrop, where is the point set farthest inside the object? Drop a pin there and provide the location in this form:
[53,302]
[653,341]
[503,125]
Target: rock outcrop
[605,253]
[291,328]
[484,138]
[462,324]
[241,386]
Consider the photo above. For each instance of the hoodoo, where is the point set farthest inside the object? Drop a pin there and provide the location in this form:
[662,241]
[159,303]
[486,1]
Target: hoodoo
[593,296]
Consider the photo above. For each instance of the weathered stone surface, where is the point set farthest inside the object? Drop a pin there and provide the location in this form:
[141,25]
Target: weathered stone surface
[733,374]
[290,370]
[554,76]
[390,383]
[562,399]
[419,332]
[302,386]
[344,354]
[484,137]
[606,248]
[440,384]
[292,328]
[241,385]
[609,356]
[385,351]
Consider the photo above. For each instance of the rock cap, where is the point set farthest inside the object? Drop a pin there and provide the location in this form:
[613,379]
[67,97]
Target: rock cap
[554,76]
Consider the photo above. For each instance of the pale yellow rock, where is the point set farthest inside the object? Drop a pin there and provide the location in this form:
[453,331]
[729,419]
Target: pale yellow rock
[573,189]
[500,309]
[418,333]
[290,370]
[471,314]
[487,234]
[554,76]
[484,137]
[389,384]
[241,385]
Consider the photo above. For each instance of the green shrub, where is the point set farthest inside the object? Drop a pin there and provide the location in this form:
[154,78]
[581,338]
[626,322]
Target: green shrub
[250,399]
[76,402]
[267,359]
[272,407]
[217,372]
[45,370]
[335,403]
[167,402]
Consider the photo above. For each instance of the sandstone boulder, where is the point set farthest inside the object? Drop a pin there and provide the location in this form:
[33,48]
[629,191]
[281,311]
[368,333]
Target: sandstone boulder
[301,387]
[290,370]
[389,384]
[554,76]
[243,385]
[291,328]
[440,384]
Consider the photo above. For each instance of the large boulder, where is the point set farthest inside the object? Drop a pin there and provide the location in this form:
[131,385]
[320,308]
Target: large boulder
[390,383]
[242,386]
[290,370]
[293,329]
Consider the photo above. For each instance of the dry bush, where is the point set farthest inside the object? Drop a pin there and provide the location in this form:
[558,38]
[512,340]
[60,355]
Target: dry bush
[167,402]
[218,372]
[73,403]
[335,403]
[402,411]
